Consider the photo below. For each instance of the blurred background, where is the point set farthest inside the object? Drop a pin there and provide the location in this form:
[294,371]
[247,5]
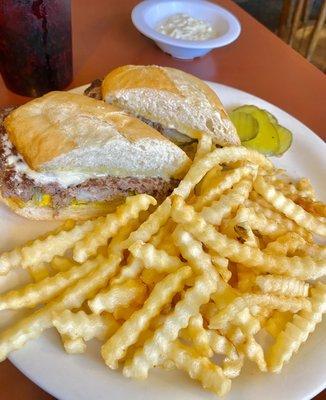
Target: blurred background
[300,23]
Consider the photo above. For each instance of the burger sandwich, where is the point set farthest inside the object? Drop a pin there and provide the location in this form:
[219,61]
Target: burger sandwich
[66,155]
[179,105]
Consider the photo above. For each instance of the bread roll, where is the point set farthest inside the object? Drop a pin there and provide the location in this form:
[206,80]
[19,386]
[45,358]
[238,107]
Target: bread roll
[172,98]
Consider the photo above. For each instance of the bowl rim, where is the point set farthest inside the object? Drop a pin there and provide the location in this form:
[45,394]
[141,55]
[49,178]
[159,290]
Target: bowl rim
[230,36]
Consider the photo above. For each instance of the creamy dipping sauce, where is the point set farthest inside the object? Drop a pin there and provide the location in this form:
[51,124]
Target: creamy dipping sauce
[183,26]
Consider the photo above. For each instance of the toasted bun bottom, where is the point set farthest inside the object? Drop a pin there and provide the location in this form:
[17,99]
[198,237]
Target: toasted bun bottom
[76,212]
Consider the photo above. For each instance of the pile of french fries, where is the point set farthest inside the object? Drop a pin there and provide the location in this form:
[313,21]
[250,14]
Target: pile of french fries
[234,250]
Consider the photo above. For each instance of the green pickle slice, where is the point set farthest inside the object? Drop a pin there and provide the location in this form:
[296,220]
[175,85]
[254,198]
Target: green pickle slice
[246,125]
[266,141]
[285,139]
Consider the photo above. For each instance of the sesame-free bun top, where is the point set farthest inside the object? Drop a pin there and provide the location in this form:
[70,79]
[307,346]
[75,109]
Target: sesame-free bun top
[63,131]
[172,98]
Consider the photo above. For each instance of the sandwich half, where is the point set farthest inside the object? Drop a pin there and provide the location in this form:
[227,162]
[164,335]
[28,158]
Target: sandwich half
[179,105]
[66,155]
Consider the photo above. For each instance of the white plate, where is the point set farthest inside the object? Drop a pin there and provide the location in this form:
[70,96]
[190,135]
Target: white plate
[85,377]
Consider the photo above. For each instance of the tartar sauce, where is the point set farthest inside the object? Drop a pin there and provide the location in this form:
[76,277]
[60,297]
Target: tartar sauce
[183,26]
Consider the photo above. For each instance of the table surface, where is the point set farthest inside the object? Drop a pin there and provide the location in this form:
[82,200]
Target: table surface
[258,63]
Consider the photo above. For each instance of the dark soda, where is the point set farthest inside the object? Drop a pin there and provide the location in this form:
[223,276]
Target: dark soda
[35,45]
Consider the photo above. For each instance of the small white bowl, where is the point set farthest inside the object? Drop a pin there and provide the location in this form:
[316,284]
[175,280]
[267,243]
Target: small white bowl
[149,13]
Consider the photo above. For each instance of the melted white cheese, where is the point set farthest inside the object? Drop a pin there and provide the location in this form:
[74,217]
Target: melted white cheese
[62,178]
[183,26]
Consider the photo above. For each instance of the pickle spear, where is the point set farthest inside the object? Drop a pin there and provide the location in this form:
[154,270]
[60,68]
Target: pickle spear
[246,125]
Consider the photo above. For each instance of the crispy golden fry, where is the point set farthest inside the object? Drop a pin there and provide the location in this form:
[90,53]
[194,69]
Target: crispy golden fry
[115,348]
[314,250]
[32,326]
[221,264]
[224,295]
[205,284]
[220,184]
[13,258]
[44,249]
[247,345]
[130,292]
[39,271]
[85,326]
[204,146]
[169,247]
[151,277]
[227,203]
[213,178]
[164,231]
[153,258]
[73,346]
[116,243]
[296,332]
[287,243]
[281,303]
[200,368]
[261,206]
[282,285]
[45,290]
[152,225]
[196,332]
[246,278]
[131,270]
[221,155]
[277,322]
[289,208]
[238,228]
[316,208]
[300,267]
[259,222]
[107,228]
[61,264]
[248,323]
[123,313]
[305,188]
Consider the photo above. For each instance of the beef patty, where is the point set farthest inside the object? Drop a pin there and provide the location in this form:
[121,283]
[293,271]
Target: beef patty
[16,184]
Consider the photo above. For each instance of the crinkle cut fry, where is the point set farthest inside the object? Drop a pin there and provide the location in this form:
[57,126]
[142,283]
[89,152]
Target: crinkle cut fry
[115,348]
[125,294]
[227,203]
[199,336]
[153,258]
[215,190]
[131,270]
[282,285]
[221,155]
[32,326]
[45,290]
[297,331]
[38,272]
[289,208]
[246,344]
[108,227]
[205,284]
[298,267]
[287,243]
[73,346]
[86,326]
[152,225]
[45,248]
[204,146]
[200,368]
[281,303]
[276,323]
